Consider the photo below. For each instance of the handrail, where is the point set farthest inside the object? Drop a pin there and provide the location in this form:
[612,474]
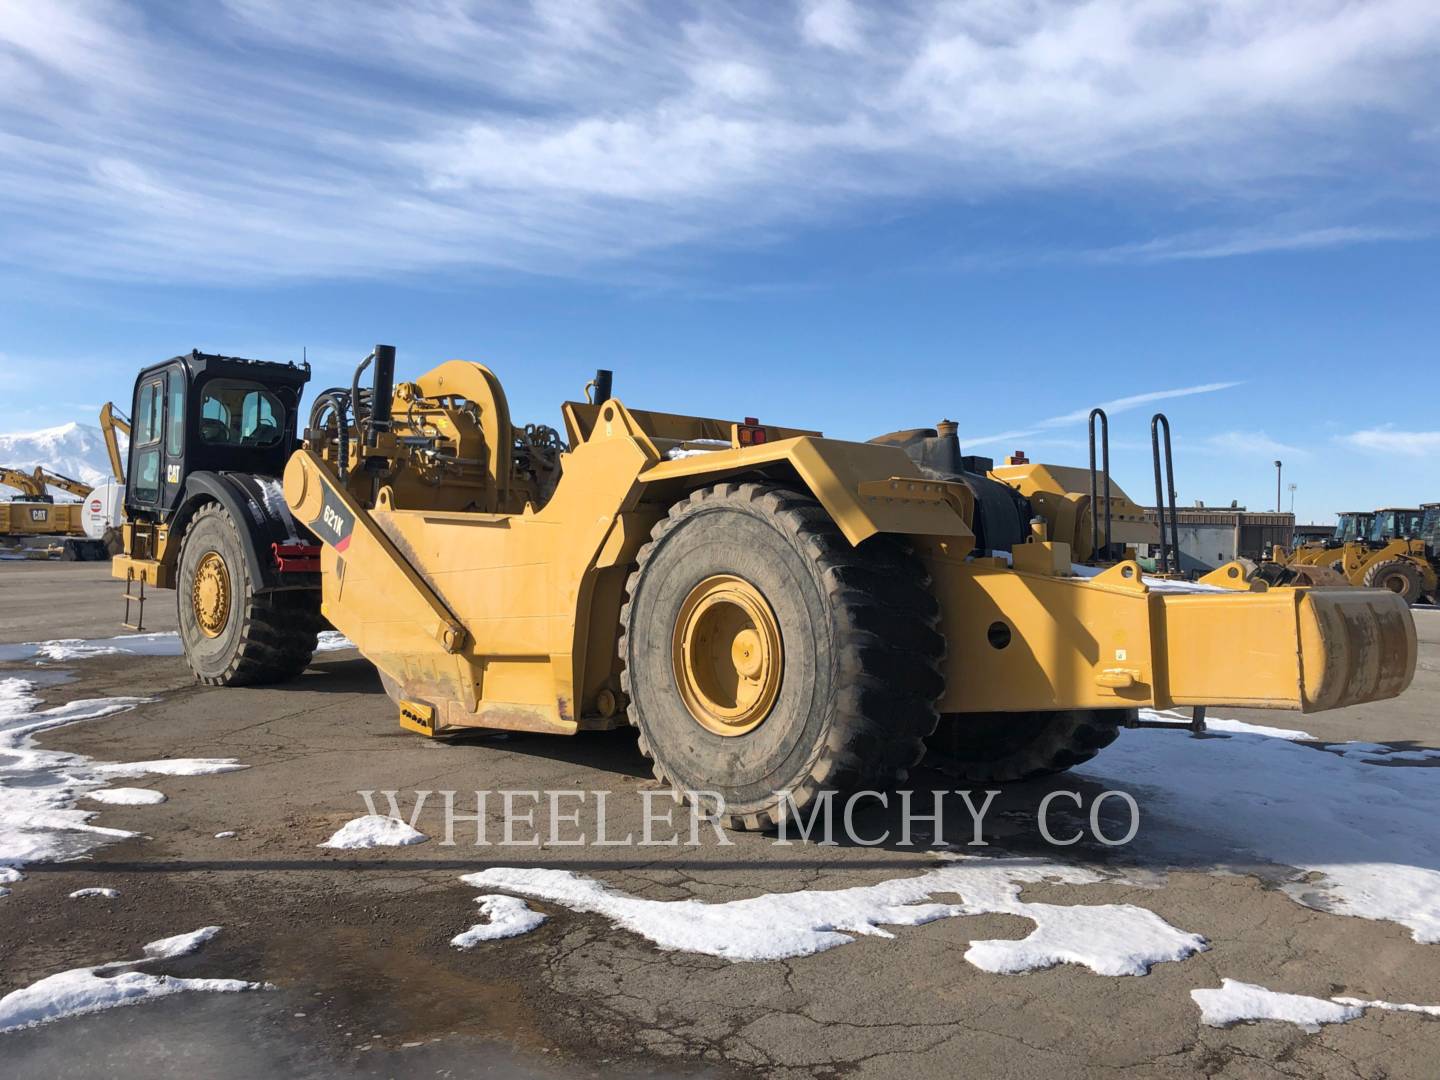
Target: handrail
[1169,550]
[1095,548]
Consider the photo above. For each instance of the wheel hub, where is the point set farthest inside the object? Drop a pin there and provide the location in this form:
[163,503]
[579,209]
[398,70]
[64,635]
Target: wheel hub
[210,594]
[727,655]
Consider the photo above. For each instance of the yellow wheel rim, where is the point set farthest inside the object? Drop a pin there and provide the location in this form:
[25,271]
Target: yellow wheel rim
[727,655]
[210,594]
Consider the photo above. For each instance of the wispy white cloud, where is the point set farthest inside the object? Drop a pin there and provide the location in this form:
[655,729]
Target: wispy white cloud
[1225,244]
[1253,444]
[1112,408]
[266,139]
[1387,440]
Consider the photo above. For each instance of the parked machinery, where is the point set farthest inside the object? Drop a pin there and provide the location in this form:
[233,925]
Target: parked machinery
[775,612]
[34,512]
[1381,549]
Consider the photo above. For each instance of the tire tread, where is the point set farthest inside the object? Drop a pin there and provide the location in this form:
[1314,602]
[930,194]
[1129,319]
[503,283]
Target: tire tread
[889,638]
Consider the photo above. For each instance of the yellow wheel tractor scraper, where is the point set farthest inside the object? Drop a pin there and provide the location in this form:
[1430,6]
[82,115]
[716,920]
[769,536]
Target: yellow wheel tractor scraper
[774,611]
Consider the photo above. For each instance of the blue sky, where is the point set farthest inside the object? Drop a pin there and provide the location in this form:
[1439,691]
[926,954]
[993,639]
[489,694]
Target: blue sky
[852,217]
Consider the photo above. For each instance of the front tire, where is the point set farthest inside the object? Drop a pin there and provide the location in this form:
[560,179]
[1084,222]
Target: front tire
[764,654]
[234,636]
[1398,576]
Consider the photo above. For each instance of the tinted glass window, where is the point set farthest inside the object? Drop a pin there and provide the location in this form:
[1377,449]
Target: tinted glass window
[147,414]
[146,476]
[236,413]
[175,416]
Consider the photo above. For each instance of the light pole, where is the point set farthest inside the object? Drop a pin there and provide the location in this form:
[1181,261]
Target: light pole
[1277,487]
[1292,497]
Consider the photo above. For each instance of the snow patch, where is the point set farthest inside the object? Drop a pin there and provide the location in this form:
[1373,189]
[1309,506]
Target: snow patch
[374,830]
[1379,752]
[169,767]
[1155,584]
[1391,1006]
[1367,830]
[91,989]
[9,875]
[507,916]
[163,643]
[39,789]
[1240,727]
[81,894]
[181,944]
[1228,727]
[1237,1001]
[160,643]
[126,796]
[1109,939]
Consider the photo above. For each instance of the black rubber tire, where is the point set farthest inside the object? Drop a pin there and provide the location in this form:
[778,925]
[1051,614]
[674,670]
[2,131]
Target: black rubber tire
[1000,747]
[1392,572]
[862,652]
[268,637]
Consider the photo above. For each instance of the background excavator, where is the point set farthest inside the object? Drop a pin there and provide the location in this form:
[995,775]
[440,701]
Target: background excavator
[34,511]
[777,614]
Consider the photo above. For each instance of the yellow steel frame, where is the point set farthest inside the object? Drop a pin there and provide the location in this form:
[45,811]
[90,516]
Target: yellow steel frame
[509,620]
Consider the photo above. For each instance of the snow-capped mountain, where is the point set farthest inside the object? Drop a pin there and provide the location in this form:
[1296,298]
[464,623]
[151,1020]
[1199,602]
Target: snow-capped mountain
[73,450]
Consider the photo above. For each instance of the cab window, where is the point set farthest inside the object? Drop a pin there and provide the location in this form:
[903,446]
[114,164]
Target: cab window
[145,470]
[237,413]
[147,414]
[1430,527]
[175,416]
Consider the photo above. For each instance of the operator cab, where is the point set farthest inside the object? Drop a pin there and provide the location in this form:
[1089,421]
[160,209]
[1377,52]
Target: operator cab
[1430,528]
[201,412]
[1395,524]
[1353,525]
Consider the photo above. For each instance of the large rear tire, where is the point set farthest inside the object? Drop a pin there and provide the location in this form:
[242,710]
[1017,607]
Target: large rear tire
[999,747]
[764,654]
[1399,576]
[234,636]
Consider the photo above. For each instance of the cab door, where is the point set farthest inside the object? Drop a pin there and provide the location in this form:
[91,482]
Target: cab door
[157,441]
[145,478]
[172,478]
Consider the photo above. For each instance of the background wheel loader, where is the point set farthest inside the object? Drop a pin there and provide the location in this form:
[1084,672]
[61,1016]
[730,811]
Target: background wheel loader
[1382,549]
[772,610]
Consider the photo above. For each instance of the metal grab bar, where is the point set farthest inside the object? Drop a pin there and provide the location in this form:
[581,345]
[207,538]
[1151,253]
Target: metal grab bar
[1095,548]
[1169,549]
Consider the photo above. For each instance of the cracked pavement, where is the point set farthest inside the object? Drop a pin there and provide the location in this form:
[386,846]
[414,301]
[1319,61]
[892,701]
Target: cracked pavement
[356,943]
